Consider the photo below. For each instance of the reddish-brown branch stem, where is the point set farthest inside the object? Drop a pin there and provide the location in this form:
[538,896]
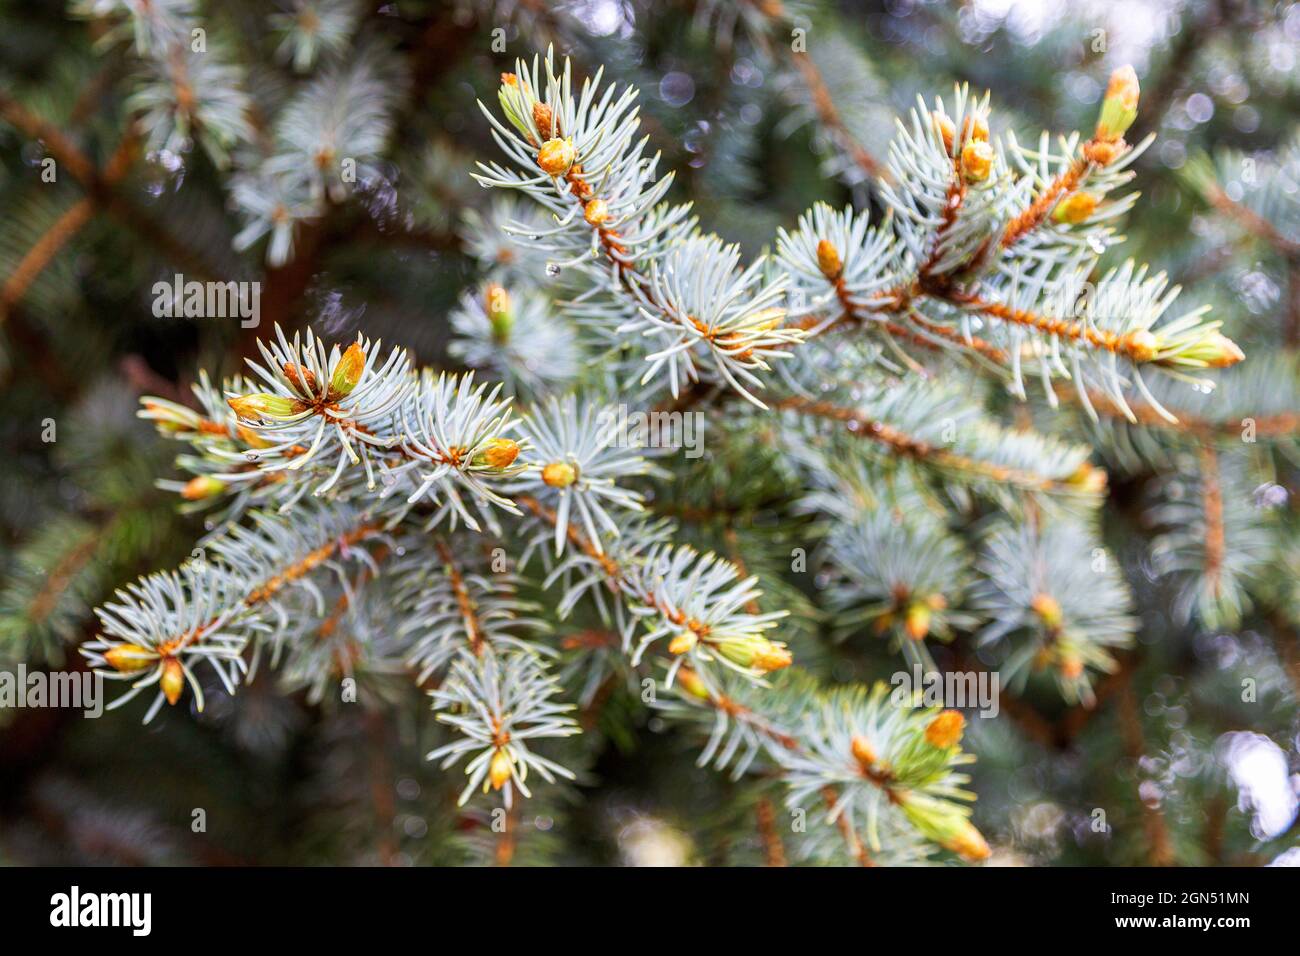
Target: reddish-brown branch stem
[273,585]
[829,116]
[463,599]
[851,840]
[1032,217]
[1159,847]
[906,446]
[1212,499]
[773,849]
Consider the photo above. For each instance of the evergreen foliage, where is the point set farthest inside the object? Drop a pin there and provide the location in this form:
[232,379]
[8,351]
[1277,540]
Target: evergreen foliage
[764,370]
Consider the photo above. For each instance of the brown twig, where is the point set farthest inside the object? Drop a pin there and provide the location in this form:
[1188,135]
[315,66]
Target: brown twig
[773,849]
[851,840]
[829,116]
[1212,493]
[464,601]
[904,445]
[102,191]
[1159,848]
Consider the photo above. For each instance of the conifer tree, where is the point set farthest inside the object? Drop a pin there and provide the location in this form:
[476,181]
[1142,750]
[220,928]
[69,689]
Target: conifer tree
[712,440]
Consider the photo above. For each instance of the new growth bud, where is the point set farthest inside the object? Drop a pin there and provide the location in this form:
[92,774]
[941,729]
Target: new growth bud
[500,768]
[1071,666]
[1141,345]
[946,130]
[556,156]
[170,417]
[683,643]
[500,311]
[765,320]
[973,128]
[1089,479]
[968,843]
[772,657]
[828,260]
[945,729]
[596,212]
[916,621]
[347,374]
[757,653]
[497,453]
[976,161]
[1048,609]
[946,825]
[863,752]
[1075,208]
[172,681]
[544,120]
[260,406]
[559,474]
[1214,351]
[129,658]
[202,486]
[302,379]
[1119,108]
[691,683]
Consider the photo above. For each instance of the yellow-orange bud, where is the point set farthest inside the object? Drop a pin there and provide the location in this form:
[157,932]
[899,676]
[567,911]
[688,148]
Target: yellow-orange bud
[1104,153]
[348,372]
[976,161]
[499,770]
[255,407]
[946,130]
[828,260]
[917,620]
[1071,666]
[498,453]
[559,474]
[1075,208]
[772,657]
[945,729]
[863,752]
[1141,345]
[968,843]
[683,642]
[170,417]
[202,486]
[128,658]
[973,128]
[1089,478]
[692,683]
[303,379]
[1218,351]
[172,681]
[595,212]
[1119,108]
[1047,608]
[556,156]
[499,310]
[542,119]
[250,437]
